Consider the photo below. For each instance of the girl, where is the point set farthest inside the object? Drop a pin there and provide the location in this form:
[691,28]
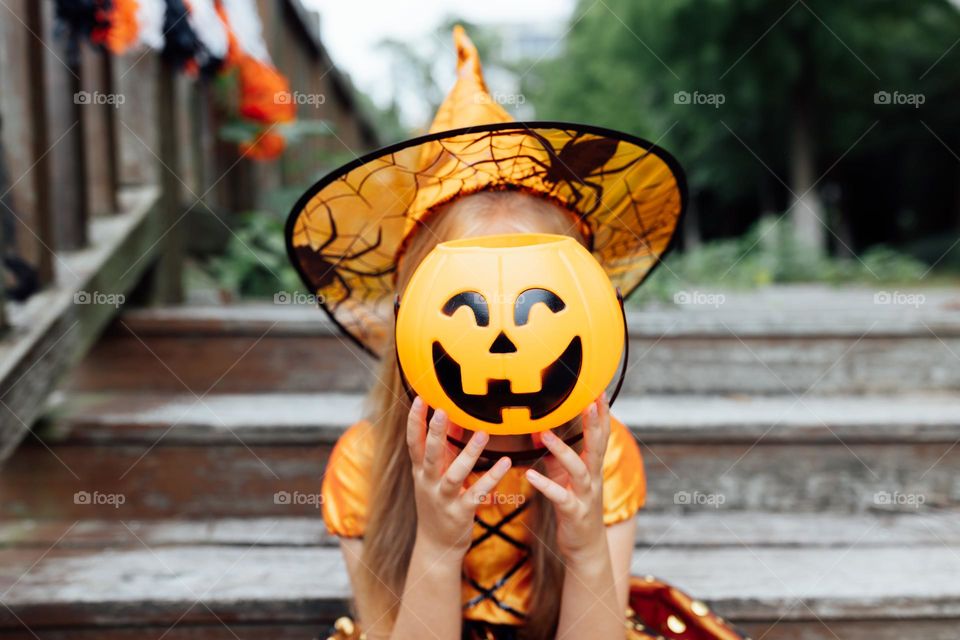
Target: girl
[440,542]
[407,569]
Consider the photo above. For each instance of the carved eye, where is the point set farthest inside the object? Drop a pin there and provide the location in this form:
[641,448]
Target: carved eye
[529,298]
[472,299]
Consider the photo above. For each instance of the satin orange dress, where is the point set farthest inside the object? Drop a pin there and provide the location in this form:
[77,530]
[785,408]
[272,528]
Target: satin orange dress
[497,575]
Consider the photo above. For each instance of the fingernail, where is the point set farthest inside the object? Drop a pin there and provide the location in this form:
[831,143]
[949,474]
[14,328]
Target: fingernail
[417,403]
[504,463]
[482,437]
[548,436]
[440,416]
[532,475]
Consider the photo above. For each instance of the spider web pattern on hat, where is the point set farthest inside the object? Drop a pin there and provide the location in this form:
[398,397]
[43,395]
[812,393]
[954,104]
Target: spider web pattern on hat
[347,232]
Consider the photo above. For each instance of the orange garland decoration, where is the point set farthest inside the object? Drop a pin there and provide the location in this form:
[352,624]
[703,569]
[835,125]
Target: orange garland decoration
[265,96]
[266,146]
[264,93]
[121,34]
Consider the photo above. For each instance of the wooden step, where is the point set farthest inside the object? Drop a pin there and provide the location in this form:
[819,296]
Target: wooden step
[47,334]
[237,455]
[182,631]
[655,530]
[792,341]
[880,576]
[320,418]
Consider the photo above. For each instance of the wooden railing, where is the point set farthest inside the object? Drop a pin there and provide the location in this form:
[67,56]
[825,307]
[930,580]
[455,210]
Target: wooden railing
[107,160]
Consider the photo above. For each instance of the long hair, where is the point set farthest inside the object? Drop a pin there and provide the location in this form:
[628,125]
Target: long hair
[392,522]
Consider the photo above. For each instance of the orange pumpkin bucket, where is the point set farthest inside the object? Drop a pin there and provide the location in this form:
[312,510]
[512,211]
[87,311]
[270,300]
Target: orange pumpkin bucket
[510,334]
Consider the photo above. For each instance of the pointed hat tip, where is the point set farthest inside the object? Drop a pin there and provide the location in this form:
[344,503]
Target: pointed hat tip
[469,102]
[468,59]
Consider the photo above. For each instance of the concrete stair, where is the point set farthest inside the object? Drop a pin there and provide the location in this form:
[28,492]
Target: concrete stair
[801,453]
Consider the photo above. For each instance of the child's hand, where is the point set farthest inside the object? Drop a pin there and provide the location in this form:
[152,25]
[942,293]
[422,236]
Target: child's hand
[444,507]
[575,483]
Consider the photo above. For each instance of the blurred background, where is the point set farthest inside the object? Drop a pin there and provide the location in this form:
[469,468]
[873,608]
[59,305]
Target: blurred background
[169,394]
[819,139]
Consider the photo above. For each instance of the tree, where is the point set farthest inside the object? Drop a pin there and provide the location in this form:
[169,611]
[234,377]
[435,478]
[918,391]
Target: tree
[764,102]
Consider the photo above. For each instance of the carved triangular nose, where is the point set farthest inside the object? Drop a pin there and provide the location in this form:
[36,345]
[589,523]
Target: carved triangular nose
[503,345]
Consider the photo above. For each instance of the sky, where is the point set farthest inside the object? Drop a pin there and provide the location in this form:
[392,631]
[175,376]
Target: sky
[351,30]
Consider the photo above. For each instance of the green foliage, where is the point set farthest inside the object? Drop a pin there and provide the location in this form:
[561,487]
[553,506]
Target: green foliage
[770,254]
[254,263]
[239,130]
[386,121]
[623,62]
[772,62]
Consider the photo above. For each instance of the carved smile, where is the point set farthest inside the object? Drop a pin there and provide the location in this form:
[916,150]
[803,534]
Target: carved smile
[557,382]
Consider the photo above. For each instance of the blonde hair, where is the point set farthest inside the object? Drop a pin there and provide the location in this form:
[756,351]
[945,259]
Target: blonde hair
[392,521]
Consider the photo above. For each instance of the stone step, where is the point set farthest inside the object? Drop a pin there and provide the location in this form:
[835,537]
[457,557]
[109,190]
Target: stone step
[243,455]
[821,342]
[879,577]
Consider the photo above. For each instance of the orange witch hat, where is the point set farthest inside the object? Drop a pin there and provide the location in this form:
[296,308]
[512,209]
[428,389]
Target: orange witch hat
[347,232]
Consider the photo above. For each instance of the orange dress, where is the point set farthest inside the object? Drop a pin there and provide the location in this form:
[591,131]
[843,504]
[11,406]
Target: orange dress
[497,577]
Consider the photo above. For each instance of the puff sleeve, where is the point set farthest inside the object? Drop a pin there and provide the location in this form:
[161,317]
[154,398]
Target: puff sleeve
[624,481]
[346,482]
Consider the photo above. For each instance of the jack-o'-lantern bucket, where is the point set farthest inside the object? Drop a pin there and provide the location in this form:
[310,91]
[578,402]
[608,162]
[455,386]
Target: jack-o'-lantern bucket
[511,334]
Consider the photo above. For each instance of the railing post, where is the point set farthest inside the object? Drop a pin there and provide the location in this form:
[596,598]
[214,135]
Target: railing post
[168,272]
[98,118]
[135,78]
[4,186]
[25,136]
[64,125]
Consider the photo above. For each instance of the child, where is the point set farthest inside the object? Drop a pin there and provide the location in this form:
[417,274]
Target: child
[437,546]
